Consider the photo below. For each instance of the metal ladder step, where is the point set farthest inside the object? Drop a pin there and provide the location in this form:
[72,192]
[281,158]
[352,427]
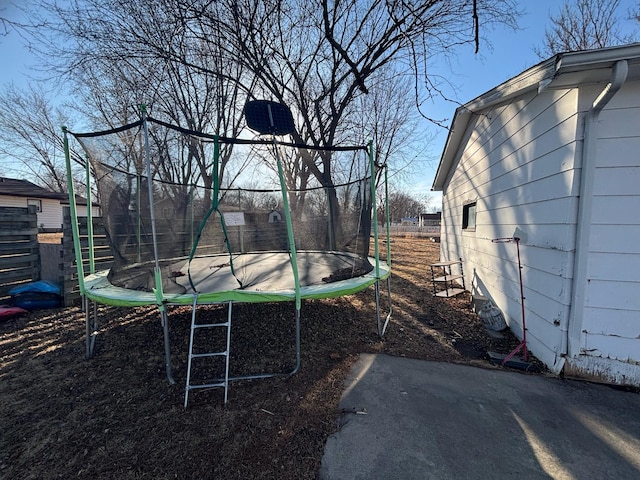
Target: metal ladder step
[224,382]
[212,325]
[206,385]
[211,354]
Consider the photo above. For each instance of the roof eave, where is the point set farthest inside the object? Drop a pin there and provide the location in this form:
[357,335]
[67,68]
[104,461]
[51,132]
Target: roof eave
[561,71]
[529,80]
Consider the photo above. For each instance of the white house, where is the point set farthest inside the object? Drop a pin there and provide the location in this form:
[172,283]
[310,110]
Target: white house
[552,156]
[49,205]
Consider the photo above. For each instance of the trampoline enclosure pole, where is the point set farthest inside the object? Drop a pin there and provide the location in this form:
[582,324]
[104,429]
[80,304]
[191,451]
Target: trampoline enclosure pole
[147,154]
[76,242]
[287,215]
[374,213]
[387,215]
[138,219]
[159,294]
[73,213]
[92,263]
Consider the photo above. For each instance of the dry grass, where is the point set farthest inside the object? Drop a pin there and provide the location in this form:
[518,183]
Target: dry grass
[50,237]
[115,416]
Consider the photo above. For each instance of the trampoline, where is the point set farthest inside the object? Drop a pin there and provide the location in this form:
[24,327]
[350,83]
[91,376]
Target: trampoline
[181,233]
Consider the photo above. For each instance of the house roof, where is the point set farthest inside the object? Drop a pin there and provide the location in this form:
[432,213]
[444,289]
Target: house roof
[23,188]
[563,71]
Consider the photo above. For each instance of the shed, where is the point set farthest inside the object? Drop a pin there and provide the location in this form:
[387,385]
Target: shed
[49,205]
[552,156]
[430,219]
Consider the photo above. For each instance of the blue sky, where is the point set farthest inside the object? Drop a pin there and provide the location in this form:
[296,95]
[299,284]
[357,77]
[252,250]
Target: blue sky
[503,54]
[14,57]
[509,54]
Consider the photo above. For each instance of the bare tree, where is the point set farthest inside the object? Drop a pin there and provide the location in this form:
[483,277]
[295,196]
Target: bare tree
[634,14]
[119,55]
[402,205]
[30,136]
[583,25]
[321,58]
[315,56]
[9,18]
[389,119]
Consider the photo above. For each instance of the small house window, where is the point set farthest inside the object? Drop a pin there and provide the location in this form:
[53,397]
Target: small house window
[469,216]
[35,202]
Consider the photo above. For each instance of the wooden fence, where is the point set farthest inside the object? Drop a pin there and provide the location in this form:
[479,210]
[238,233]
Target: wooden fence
[19,253]
[23,259]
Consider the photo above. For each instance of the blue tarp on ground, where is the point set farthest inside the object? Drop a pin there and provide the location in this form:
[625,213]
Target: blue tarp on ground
[41,286]
[36,295]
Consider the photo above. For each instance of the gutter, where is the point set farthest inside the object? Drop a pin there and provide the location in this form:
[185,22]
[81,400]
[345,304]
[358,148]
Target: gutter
[585,207]
[600,58]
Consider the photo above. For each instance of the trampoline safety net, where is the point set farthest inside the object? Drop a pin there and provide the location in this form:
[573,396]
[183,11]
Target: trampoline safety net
[214,213]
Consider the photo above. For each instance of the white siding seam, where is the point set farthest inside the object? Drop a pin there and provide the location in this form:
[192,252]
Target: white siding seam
[517,113]
[474,187]
[468,153]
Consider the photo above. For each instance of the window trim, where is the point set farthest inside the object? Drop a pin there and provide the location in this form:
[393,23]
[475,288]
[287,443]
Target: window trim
[469,211]
[36,202]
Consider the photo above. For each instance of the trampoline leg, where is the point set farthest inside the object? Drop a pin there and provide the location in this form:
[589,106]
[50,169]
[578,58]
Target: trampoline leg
[227,354]
[167,346]
[382,328]
[87,322]
[297,367]
[91,330]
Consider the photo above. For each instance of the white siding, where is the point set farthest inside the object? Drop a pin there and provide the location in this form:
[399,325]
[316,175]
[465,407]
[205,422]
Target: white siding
[518,164]
[81,210]
[51,215]
[521,164]
[10,201]
[611,316]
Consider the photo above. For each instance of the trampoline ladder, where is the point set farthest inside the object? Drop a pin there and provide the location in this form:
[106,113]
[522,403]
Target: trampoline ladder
[223,382]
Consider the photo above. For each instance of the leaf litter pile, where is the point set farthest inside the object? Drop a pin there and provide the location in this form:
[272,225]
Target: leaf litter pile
[116,416]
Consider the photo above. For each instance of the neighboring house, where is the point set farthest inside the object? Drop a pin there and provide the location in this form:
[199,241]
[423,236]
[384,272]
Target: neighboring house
[431,219]
[552,156]
[49,205]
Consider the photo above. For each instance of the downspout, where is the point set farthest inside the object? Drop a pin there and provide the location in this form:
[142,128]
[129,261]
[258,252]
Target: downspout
[585,205]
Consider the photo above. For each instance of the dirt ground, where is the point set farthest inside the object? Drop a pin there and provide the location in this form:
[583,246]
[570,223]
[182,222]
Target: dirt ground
[116,417]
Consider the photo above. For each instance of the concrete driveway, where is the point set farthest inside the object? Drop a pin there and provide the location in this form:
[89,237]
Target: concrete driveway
[410,419]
